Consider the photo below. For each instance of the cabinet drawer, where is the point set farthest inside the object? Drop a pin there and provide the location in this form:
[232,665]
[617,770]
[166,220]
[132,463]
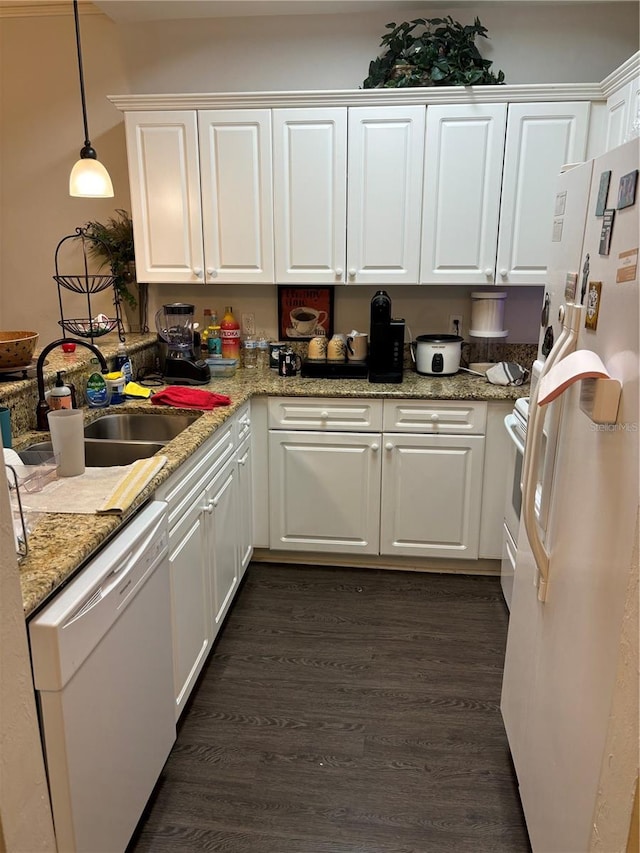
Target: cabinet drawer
[314,413]
[197,472]
[243,424]
[457,417]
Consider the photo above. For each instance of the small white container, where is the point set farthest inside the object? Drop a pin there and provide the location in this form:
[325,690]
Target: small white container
[487,315]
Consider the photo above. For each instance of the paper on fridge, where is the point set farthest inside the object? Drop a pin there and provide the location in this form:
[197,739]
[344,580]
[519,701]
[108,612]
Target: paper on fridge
[581,364]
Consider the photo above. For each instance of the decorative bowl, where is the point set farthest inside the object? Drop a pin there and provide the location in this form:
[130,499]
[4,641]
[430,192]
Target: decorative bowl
[16,349]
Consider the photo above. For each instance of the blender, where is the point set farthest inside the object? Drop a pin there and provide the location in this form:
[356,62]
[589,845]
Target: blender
[174,323]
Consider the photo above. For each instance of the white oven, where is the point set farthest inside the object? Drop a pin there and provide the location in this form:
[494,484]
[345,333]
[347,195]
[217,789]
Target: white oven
[516,426]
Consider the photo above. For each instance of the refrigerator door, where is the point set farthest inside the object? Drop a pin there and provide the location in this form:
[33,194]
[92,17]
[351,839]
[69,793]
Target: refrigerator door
[565,250]
[567,660]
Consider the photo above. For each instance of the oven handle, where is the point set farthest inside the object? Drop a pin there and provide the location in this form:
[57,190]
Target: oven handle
[511,425]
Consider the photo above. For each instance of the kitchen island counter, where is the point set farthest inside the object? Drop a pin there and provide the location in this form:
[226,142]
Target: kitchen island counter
[62,542]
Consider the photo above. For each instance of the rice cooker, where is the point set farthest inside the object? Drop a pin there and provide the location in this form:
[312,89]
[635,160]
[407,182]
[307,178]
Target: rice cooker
[438,354]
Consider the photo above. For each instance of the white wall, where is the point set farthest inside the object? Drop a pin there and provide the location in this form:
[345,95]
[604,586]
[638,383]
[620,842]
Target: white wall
[531,43]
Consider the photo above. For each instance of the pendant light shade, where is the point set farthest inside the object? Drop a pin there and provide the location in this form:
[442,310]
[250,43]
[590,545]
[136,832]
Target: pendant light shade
[89,178]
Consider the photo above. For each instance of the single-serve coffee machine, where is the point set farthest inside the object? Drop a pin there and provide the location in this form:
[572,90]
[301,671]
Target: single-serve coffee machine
[386,341]
[182,366]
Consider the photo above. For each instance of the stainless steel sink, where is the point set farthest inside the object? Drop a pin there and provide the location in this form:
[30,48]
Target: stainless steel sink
[103,454]
[139,427]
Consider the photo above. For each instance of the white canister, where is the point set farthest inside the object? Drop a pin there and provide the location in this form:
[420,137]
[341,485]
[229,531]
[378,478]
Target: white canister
[487,315]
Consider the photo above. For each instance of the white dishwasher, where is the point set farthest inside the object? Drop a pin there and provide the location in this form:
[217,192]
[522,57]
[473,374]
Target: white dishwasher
[102,667]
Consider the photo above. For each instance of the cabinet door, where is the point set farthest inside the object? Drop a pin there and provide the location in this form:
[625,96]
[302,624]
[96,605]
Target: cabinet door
[617,117]
[164,176]
[385,162]
[461,199]
[222,508]
[245,506]
[190,596]
[237,200]
[310,195]
[540,139]
[324,491]
[431,487]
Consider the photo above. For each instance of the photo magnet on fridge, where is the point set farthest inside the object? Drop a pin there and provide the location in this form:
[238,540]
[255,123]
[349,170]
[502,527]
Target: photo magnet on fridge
[603,192]
[593,305]
[607,228]
[627,190]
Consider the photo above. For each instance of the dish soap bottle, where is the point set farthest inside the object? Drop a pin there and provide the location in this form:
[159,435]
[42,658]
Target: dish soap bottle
[230,334]
[60,395]
[123,364]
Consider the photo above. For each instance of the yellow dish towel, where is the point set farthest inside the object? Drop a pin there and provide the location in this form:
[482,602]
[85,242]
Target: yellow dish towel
[141,472]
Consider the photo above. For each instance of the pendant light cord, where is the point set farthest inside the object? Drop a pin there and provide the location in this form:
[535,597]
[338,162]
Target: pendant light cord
[87,141]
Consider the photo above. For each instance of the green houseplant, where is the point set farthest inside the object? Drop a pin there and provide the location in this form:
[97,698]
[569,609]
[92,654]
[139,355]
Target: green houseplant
[112,243]
[431,52]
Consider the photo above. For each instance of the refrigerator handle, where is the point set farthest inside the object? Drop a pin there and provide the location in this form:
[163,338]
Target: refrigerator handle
[566,343]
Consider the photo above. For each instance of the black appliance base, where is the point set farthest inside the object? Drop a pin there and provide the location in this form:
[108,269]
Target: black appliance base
[322,369]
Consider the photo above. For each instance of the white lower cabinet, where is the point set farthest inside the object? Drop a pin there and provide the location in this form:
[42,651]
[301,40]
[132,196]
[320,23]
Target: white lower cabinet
[245,505]
[387,491]
[209,545]
[324,491]
[221,506]
[431,491]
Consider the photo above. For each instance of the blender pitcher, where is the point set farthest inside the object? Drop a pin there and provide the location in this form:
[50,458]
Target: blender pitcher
[174,323]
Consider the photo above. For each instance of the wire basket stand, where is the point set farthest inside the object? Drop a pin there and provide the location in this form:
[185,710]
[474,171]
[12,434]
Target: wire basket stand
[88,284]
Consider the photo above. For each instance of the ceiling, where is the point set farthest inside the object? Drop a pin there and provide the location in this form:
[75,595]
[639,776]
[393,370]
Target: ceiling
[126,11]
[130,11]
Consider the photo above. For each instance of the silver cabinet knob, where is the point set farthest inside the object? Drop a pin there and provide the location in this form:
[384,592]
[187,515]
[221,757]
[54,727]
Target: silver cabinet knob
[375,447]
[324,415]
[388,446]
[352,273]
[208,507]
[504,273]
[197,272]
[488,272]
[211,272]
[339,272]
[435,416]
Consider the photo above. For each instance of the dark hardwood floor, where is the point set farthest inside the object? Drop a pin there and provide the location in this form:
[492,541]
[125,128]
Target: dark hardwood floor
[346,710]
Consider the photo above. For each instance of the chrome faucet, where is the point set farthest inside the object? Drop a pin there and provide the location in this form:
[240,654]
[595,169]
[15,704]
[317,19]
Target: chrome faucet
[43,407]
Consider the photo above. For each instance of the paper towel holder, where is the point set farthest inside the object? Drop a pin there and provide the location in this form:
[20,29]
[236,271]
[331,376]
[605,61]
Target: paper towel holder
[600,399]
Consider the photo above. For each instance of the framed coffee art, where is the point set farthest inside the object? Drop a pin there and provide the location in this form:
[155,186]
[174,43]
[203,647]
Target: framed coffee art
[304,312]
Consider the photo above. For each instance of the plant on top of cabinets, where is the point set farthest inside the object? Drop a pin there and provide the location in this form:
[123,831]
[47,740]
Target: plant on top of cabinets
[443,54]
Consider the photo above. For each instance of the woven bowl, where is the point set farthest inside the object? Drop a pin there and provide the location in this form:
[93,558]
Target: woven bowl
[16,349]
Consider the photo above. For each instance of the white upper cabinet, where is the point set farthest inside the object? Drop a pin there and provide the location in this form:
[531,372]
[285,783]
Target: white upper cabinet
[540,139]
[237,200]
[461,201]
[385,162]
[201,195]
[310,195]
[622,110]
[164,176]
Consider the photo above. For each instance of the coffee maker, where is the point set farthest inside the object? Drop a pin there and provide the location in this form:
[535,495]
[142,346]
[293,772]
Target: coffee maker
[182,366]
[386,341]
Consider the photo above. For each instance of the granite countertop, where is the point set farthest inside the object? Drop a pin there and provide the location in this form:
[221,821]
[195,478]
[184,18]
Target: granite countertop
[61,542]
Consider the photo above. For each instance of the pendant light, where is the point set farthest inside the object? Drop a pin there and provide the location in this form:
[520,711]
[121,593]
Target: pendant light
[89,178]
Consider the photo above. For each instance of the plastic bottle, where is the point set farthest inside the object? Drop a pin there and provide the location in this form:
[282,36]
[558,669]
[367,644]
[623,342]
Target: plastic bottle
[123,364]
[263,353]
[214,342]
[96,392]
[250,353]
[230,334]
[60,396]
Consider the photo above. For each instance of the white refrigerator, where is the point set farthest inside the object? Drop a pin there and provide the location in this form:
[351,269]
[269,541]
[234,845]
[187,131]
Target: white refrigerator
[570,689]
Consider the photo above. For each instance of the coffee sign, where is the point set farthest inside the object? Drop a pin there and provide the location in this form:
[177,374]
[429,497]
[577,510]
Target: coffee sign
[304,312]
